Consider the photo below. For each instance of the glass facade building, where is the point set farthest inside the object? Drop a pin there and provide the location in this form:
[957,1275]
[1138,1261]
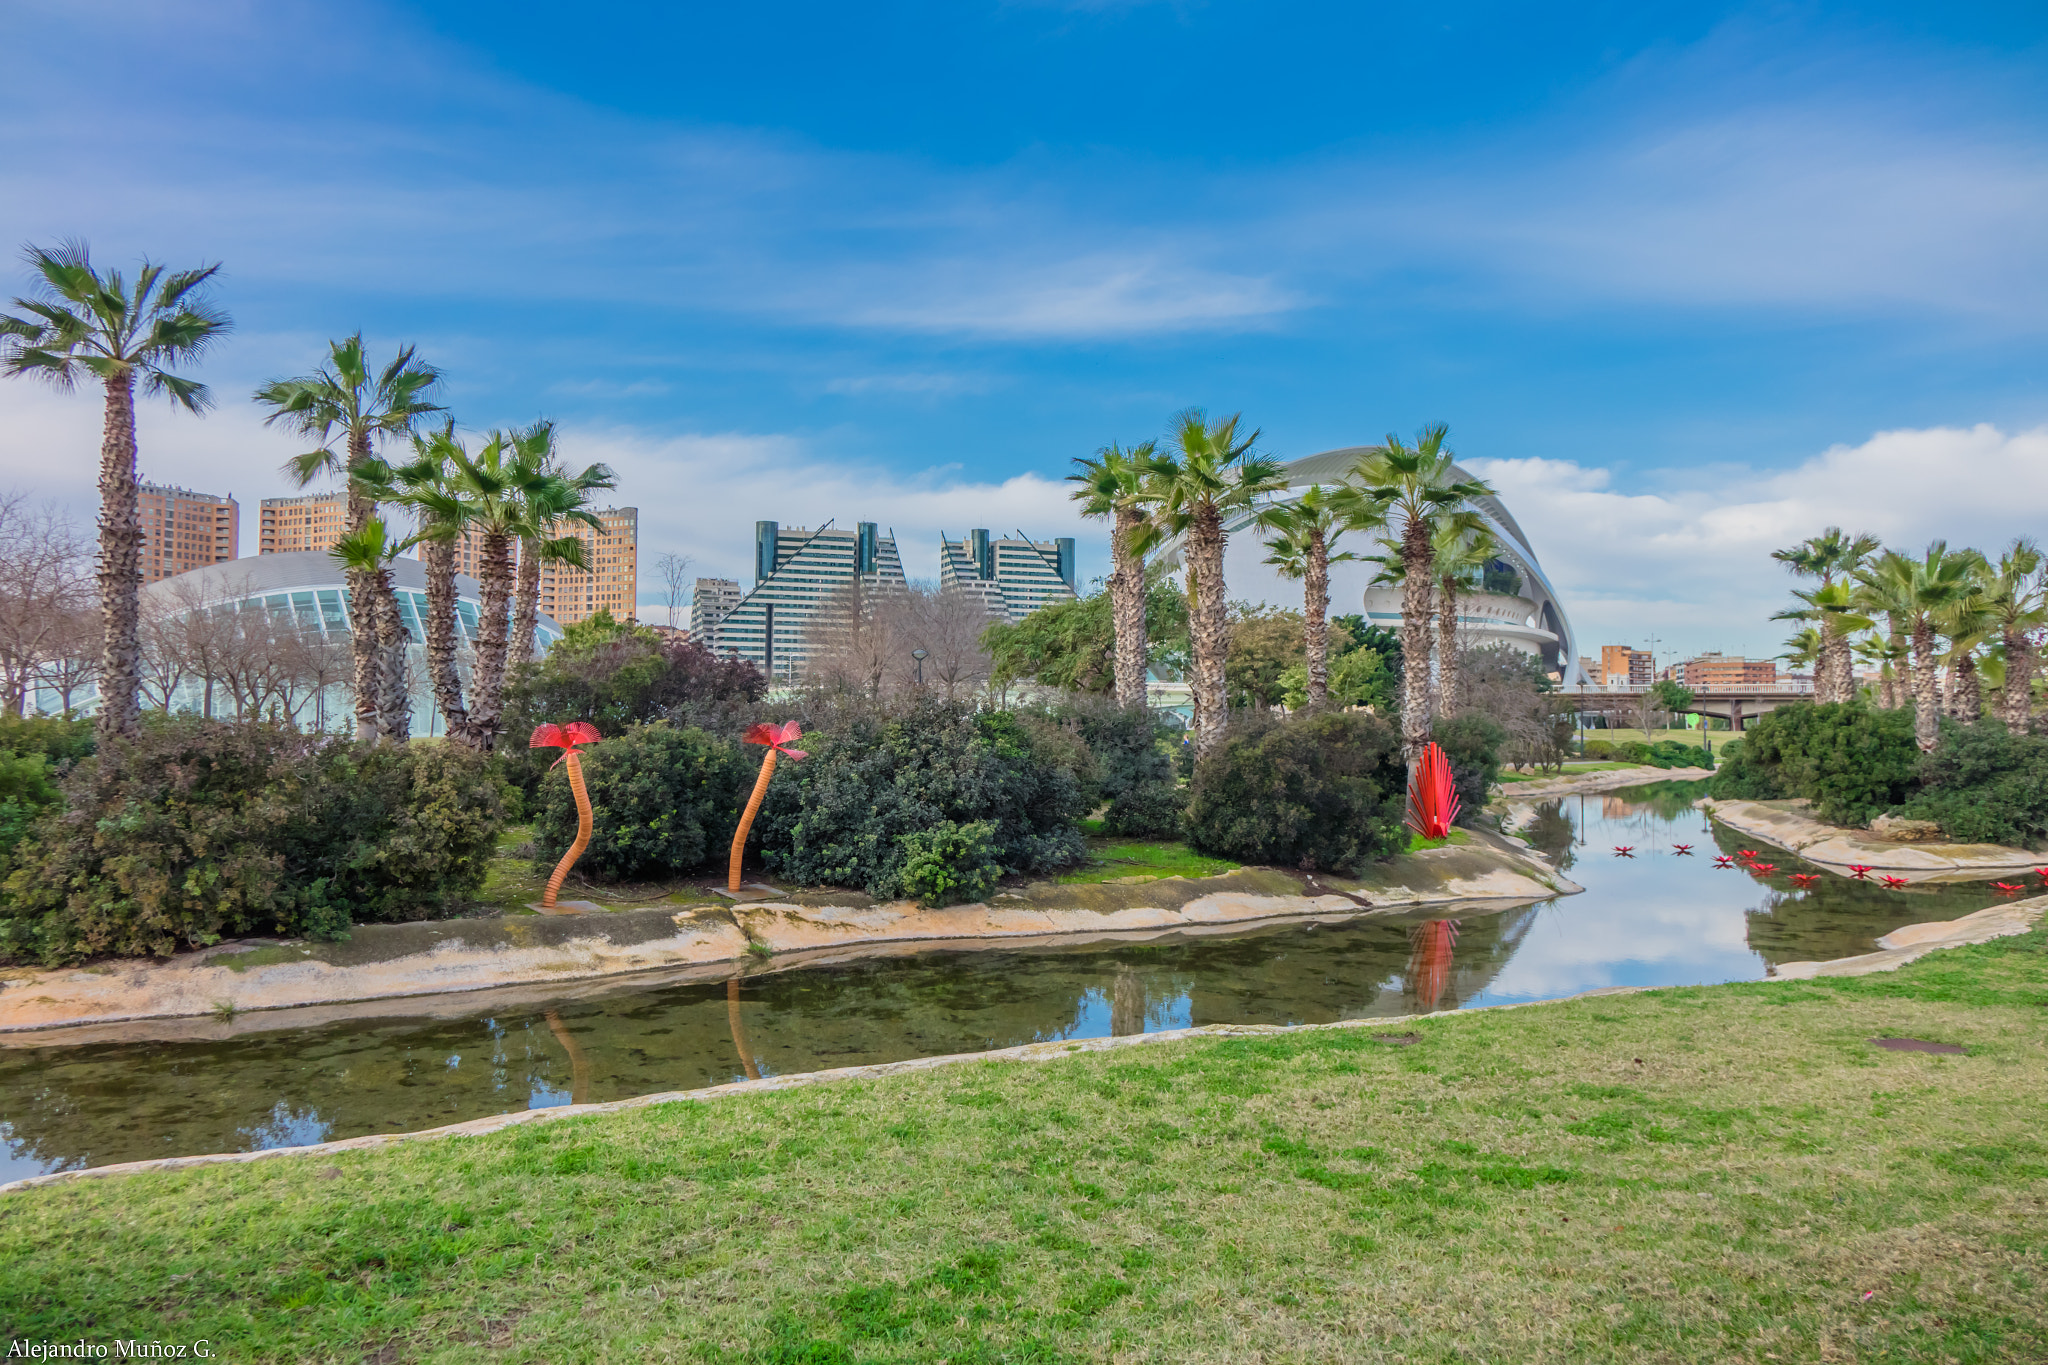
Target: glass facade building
[796,571]
[1014,576]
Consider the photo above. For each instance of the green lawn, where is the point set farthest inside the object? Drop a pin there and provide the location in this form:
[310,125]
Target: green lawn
[1117,859]
[1722,1174]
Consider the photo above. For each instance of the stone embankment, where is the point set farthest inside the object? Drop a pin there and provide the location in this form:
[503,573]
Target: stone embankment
[1915,941]
[1607,780]
[705,940]
[1787,825]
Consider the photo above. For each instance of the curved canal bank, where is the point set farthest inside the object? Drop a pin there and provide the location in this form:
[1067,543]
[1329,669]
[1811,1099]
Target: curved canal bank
[1786,825]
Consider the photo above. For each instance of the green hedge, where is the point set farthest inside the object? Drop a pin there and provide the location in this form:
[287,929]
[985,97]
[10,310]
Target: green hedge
[846,816]
[1319,791]
[1853,760]
[1665,753]
[201,830]
[1985,786]
[664,800]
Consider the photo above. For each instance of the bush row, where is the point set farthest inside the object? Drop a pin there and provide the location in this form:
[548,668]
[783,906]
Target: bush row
[1855,761]
[1665,753]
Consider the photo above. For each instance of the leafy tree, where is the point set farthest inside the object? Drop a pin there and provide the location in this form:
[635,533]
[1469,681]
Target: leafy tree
[1072,645]
[81,321]
[1114,484]
[1212,473]
[364,407]
[1359,677]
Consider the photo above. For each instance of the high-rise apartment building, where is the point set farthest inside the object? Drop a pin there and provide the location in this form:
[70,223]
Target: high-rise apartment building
[313,521]
[711,603]
[1015,577]
[184,530]
[1623,666]
[796,572]
[613,581]
[1715,670]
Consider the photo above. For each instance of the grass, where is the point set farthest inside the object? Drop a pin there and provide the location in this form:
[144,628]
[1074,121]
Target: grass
[1115,859]
[1569,769]
[1416,843]
[1728,1173]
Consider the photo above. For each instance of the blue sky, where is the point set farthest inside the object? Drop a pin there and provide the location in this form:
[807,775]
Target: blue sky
[1686,283]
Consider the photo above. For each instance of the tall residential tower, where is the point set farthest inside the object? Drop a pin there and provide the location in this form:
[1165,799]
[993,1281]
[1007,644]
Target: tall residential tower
[1013,576]
[796,572]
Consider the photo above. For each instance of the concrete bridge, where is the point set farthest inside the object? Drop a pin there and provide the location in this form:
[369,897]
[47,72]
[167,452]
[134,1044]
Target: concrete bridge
[1734,705]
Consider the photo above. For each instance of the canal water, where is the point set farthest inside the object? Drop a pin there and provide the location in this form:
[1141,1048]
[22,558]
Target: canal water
[1657,917]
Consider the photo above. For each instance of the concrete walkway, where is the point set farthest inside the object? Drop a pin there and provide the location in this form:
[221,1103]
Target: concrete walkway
[1786,825]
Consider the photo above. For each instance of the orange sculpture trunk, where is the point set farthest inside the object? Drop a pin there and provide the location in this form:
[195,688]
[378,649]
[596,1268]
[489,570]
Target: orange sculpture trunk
[739,836]
[575,762]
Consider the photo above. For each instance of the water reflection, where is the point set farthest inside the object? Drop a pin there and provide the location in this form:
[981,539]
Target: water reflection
[1656,919]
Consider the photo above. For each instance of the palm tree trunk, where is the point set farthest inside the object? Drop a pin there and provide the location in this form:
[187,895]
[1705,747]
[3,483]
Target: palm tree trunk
[2018,705]
[526,601]
[1902,649]
[1887,691]
[1315,639]
[491,639]
[1210,628]
[1447,647]
[1926,704]
[439,556]
[1952,691]
[394,697]
[120,572]
[1127,607]
[1194,595]
[366,609]
[1969,690]
[1418,563]
[1837,670]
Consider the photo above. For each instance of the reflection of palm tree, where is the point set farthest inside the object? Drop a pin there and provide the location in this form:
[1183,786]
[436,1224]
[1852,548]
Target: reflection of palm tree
[1126,1003]
[1429,965]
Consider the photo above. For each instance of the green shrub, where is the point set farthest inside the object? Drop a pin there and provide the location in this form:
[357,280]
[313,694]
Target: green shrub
[60,742]
[1313,792]
[1741,778]
[1671,753]
[1852,760]
[1472,743]
[1132,756]
[1985,786]
[874,779]
[664,801]
[199,830]
[950,863]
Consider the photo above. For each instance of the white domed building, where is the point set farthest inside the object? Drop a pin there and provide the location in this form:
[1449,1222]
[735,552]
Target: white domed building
[1521,610]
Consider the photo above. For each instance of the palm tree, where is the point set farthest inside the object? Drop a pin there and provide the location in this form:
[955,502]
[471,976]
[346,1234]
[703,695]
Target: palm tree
[365,556]
[84,322]
[1968,622]
[1212,472]
[428,485]
[1463,547]
[1113,485]
[1413,485]
[1886,654]
[563,497]
[1802,648]
[503,484]
[1305,532]
[1831,556]
[344,396]
[2019,605]
[1917,591]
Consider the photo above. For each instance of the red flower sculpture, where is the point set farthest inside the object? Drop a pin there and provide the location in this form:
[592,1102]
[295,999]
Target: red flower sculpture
[1805,878]
[1895,883]
[1624,850]
[1723,860]
[2008,889]
[778,738]
[1763,867]
[1745,853]
[1862,871]
[1682,850]
[566,738]
[1432,800]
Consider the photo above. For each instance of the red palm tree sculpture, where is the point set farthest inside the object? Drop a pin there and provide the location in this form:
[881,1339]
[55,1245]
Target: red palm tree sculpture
[1432,800]
[566,738]
[776,737]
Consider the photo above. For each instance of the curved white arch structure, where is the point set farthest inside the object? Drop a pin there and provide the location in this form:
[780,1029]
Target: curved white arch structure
[1539,626]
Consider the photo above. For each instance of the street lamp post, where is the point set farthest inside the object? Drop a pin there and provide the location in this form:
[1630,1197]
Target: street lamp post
[920,655]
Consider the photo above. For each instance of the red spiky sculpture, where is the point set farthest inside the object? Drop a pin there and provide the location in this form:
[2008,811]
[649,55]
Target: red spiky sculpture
[1432,800]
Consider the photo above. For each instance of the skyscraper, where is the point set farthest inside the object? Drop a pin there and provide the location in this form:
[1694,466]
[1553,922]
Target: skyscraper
[1014,576]
[313,521]
[796,572]
[613,583]
[185,530]
[711,603]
